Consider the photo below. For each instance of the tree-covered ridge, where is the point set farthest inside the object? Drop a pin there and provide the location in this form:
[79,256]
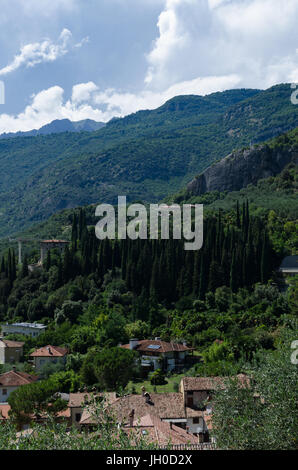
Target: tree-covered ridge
[174,293]
[146,155]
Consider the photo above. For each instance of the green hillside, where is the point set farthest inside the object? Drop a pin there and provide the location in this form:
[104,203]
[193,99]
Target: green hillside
[147,155]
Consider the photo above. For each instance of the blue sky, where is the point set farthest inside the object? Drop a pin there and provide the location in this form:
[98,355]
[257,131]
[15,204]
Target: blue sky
[97,59]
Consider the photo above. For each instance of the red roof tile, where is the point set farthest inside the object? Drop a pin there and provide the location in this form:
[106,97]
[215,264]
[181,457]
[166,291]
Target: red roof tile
[202,383]
[161,432]
[210,383]
[49,351]
[12,344]
[15,379]
[77,400]
[163,405]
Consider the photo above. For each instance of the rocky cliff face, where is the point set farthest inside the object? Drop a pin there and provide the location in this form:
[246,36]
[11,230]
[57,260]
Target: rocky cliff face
[241,168]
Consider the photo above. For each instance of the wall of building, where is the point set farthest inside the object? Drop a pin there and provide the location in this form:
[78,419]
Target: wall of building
[2,353]
[196,428]
[22,330]
[4,397]
[74,411]
[39,362]
[10,355]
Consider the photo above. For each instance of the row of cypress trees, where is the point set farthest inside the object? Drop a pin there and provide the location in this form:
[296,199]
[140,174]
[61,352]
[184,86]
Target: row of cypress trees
[236,253]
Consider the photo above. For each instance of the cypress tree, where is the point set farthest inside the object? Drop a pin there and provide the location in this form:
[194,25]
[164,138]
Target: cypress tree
[25,270]
[74,233]
[238,215]
[233,274]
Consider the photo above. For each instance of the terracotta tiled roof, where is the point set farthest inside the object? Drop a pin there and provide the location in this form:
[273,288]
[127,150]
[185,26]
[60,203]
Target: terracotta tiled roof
[12,344]
[49,351]
[163,405]
[144,346]
[15,379]
[210,383]
[161,432]
[202,383]
[76,400]
[4,409]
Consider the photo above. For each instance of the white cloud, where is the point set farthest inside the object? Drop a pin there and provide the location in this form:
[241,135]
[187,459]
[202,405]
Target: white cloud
[87,102]
[199,38]
[83,91]
[202,46]
[121,104]
[45,107]
[38,52]
[85,40]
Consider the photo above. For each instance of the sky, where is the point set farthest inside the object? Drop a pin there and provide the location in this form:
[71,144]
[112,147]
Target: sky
[98,59]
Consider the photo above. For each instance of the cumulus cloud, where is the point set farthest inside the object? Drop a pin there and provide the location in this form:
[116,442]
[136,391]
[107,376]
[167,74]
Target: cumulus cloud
[38,52]
[45,107]
[221,37]
[83,92]
[88,102]
[202,46]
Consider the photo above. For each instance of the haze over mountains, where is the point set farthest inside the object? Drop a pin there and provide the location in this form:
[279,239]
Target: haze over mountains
[147,155]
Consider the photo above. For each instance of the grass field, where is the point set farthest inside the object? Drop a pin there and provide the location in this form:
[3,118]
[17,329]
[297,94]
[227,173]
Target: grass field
[172,385]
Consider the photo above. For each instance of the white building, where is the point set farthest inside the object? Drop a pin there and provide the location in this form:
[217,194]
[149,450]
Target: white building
[49,355]
[24,328]
[10,381]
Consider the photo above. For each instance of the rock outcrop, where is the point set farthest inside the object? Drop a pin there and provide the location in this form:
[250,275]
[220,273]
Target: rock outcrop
[241,168]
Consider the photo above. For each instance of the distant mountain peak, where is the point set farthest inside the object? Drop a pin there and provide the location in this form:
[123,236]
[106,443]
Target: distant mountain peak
[57,126]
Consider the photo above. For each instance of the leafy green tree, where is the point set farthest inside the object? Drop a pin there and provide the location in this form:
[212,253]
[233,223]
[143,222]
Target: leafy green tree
[263,416]
[139,329]
[35,399]
[83,338]
[110,368]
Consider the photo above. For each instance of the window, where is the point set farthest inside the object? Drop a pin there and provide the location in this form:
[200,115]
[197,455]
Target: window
[78,417]
[4,391]
[190,399]
[196,420]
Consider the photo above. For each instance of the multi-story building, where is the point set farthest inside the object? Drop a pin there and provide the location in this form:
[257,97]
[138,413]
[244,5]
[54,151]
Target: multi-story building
[24,328]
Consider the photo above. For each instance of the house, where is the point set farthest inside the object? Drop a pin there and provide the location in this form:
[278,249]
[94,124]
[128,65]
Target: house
[165,435]
[78,401]
[197,391]
[197,394]
[24,328]
[10,351]
[289,266]
[49,355]
[169,407]
[157,354]
[12,380]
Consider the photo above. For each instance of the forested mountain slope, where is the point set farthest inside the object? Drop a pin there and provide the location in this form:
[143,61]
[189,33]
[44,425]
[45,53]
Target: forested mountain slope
[146,155]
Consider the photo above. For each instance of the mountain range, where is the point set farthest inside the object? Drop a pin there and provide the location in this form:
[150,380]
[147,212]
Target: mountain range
[57,126]
[146,156]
